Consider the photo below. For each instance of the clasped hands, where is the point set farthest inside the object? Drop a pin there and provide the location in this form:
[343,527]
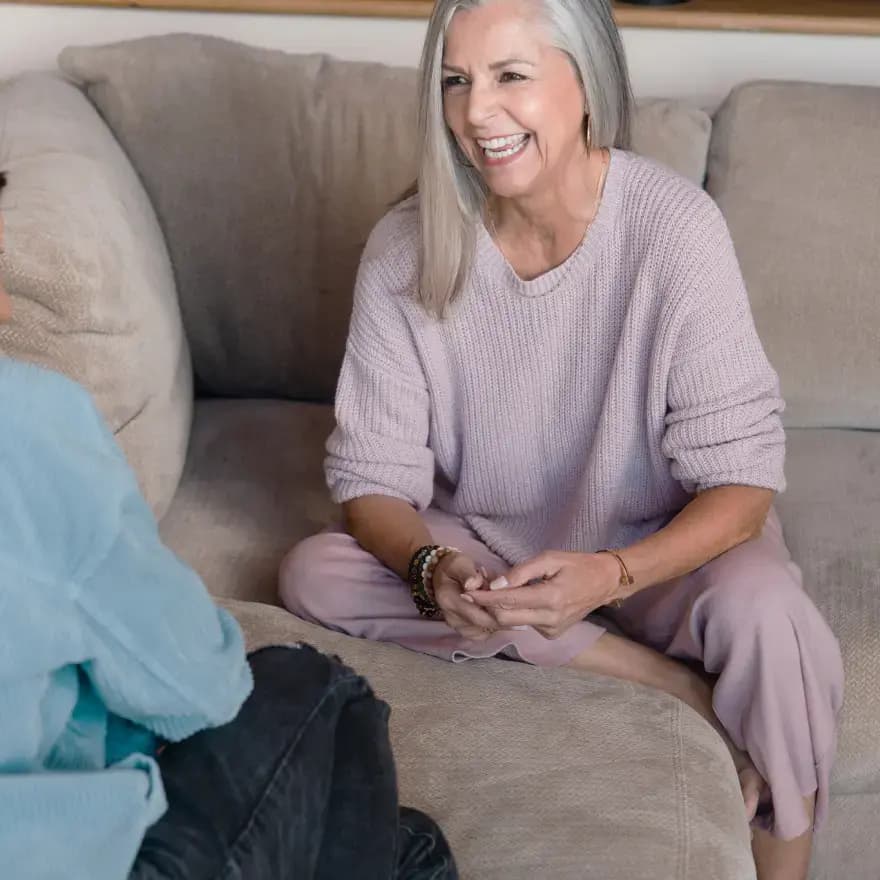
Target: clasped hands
[550,593]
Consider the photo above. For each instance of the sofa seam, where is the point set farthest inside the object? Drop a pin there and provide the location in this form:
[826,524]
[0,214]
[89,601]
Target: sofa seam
[682,855]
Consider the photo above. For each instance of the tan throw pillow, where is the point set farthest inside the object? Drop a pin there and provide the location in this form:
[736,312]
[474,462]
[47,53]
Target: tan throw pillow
[268,171]
[795,168]
[675,134]
[92,289]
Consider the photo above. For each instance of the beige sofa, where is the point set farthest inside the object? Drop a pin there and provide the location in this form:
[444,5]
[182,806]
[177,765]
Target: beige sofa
[208,222]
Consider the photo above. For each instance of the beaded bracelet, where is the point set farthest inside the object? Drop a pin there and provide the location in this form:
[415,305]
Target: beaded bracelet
[426,606]
[421,574]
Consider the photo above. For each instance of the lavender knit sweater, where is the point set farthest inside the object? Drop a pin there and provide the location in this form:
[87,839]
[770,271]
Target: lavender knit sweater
[575,411]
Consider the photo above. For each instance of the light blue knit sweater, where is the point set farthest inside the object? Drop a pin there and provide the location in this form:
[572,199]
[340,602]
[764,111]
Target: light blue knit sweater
[106,639]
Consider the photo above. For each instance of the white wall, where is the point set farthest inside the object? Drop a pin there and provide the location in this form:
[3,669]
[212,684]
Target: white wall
[698,65]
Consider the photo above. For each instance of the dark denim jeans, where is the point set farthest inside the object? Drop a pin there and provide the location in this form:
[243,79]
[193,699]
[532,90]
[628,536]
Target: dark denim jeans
[301,786]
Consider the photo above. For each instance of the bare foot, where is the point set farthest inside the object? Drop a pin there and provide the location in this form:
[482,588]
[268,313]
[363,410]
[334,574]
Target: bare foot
[753,788]
[751,783]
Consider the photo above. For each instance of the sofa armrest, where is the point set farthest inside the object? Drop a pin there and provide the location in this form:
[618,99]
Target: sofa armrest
[88,270]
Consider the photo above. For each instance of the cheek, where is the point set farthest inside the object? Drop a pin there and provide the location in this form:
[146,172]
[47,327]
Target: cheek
[531,112]
[453,115]
[547,122]
[554,112]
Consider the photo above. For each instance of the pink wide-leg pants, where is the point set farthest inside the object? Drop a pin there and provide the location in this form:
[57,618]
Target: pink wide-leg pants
[744,616]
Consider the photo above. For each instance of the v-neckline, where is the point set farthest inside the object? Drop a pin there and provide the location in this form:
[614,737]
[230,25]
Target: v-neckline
[581,256]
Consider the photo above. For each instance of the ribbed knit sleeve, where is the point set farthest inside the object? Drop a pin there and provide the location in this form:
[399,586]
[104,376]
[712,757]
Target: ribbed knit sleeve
[380,443]
[723,422]
[162,654]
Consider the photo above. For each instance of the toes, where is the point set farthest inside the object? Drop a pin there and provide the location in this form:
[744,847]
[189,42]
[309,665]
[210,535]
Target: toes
[752,787]
[751,803]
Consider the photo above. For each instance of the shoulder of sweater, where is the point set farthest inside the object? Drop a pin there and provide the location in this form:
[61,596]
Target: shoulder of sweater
[52,484]
[673,206]
[392,250]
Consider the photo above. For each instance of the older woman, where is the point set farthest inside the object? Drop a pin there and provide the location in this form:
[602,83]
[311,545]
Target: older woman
[554,402]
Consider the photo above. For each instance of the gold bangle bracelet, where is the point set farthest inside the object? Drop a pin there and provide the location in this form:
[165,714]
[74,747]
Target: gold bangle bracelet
[626,579]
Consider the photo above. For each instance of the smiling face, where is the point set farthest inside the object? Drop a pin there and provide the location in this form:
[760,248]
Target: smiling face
[512,100]
[5,301]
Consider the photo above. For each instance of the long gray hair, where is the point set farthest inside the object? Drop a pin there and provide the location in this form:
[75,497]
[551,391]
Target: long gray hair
[452,195]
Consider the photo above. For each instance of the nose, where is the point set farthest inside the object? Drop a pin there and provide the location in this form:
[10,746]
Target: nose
[481,104]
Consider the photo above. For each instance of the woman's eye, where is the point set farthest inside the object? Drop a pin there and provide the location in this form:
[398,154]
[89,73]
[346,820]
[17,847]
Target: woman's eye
[510,76]
[451,81]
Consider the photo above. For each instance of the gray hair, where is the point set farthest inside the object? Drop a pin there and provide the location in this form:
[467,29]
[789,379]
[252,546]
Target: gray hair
[452,194]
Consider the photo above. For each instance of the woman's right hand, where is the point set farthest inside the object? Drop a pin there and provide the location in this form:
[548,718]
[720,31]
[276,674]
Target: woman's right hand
[454,577]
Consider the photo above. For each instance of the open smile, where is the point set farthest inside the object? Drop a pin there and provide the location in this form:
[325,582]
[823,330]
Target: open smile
[502,149]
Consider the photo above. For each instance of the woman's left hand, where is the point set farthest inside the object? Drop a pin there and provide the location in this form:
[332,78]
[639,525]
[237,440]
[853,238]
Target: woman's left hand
[553,591]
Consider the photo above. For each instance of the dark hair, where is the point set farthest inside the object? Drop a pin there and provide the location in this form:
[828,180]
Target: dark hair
[2,179]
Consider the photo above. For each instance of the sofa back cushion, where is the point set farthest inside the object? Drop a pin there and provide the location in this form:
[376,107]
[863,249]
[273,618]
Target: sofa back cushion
[92,288]
[795,168]
[268,171]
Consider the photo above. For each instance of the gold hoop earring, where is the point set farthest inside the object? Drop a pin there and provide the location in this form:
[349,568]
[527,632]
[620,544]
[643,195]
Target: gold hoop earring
[589,128]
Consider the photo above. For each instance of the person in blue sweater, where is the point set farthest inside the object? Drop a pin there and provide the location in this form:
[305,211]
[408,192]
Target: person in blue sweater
[136,738]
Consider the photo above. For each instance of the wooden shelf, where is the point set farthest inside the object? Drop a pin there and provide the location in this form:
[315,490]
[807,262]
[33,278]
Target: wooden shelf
[856,17]
[791,16]
[356,8]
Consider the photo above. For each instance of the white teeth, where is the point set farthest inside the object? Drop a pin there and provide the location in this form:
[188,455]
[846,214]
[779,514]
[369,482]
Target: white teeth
[501,142]
[499,148]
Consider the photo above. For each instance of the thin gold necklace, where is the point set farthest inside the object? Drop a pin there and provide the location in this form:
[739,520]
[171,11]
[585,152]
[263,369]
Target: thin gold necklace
[600,187]
[597,197]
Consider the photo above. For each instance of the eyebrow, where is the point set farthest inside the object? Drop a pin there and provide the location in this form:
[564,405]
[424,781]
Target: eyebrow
[493,66]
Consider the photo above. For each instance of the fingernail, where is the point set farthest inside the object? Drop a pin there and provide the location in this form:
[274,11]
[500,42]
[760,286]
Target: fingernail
[467,598]
[471,583]
[519,627]
[499,584]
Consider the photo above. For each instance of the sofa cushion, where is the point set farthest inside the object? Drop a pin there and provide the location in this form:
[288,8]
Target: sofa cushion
[265,232]
[91,282]
[674,133]
[847,847]
[831,517]
[523,767]
[796,170]
[253,487]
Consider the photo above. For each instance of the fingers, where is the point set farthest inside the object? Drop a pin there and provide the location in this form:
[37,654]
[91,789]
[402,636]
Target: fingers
[452,601]
[545,597]
[474,582]
[478,581]
[527,617]
[460,568]
[542,567]
[473,614]
[475,633]
[550,632]
[459,587]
